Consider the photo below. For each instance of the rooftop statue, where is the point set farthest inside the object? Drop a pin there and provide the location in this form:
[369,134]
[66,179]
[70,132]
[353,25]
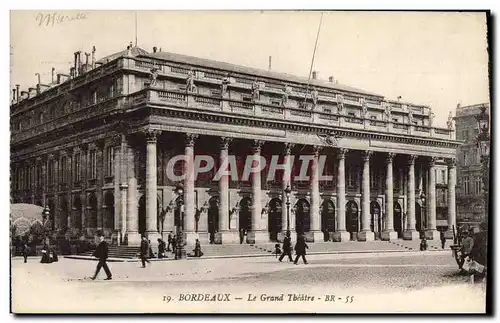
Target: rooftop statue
[190,82]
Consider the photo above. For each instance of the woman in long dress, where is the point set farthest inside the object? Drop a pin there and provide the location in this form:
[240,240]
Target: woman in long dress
[46,254]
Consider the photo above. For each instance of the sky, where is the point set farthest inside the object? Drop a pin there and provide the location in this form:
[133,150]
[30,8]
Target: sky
[437,59]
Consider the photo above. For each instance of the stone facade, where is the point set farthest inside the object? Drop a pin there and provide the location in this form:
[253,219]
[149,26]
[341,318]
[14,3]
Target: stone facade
[95,149]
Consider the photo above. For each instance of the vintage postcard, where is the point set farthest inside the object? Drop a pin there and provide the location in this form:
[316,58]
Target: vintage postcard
[249,161]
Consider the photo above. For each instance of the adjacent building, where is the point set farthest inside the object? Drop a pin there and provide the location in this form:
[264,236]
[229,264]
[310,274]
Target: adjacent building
[94,146]
[470,189]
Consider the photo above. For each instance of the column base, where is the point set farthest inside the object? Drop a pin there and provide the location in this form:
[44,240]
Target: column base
[227,237]
[449,234]
[316,236]
[432,235]
[366,236]
[153,237]
[341,236]
[190,238]
[254,237]
[389,235]
[411,235]
[133,239]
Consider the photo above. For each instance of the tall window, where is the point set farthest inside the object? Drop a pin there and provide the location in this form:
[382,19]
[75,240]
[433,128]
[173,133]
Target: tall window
[373,179]
[478,185]
[466,185]
[443,176]
[39,176]
[62,169]
[465,157]
[351,176]
[93,164]
[76,168]
[110,161]
[51,171]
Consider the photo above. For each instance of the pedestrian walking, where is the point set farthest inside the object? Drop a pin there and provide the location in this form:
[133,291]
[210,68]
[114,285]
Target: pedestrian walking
[300,249]
[26,250]
[161,248]
[169,239]
[443,240]
[144,251]
[197,249]
[101,253]
[174,243]
[287,248]
[45,254]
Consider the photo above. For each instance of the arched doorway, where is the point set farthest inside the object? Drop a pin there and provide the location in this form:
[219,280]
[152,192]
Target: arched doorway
[327,218]
[274,219]
[63,216]
[376,219]
[142,215]
[92,212]
[398,219]
[351,213]
[77,213]
[109,211]
[213,217]
[302,216]
[52,209]
[245,215]
[419,224]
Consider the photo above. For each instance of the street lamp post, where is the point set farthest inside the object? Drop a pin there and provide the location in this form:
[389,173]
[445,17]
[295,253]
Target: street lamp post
[483,143]
[287,193]
[180,250]
[423,216]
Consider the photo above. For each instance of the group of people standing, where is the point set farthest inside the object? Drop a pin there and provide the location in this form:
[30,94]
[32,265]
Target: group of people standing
[300,248]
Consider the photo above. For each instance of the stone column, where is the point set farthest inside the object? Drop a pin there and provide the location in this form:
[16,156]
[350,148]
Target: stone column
[257,234]
[122,178]
[99,183]
[189,202]
[133,237]
[389,233]
[411,233]
[452,177]
[151,188]
[366,233]
[287,174]
[225,235]
[431,233]
[315,214]
[341,234]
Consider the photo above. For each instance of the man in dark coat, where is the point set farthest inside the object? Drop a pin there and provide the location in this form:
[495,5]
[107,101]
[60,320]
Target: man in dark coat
[26,250]
[161,248]
[443,239]
[144,251]
[287,247]
[169,240]
[300,249]
[101,252]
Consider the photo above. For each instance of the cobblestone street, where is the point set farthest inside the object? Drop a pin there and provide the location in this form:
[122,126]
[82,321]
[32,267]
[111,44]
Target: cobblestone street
[360,282]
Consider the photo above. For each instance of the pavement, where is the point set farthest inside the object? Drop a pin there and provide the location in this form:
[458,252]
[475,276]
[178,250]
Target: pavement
[407,281]
[267,249]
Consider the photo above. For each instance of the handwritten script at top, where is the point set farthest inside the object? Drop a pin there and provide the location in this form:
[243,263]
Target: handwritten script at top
[51,19]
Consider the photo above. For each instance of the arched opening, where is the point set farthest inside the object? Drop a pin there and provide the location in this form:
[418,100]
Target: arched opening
[327,218]
[77,213]
[376,218]
[109,213]
[351,214]
[245,215]
[398,219]
[142,215]
[92,212]
[302,216]
[64,214]
[213,217]
[274,219]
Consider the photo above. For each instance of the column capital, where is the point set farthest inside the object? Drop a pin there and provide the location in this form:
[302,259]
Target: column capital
[451,162]
[190,139]
[341,153]
[389,157]
[257,145]
[151,135]
[316,150]
[432,161]
[224,143]
[366,155]
[411,159]
[288,148]
[100,144]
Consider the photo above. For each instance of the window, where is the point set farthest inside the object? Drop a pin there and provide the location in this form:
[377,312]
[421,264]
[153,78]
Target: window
[93,164]
[110,161]
[466,185]
[216,94]
[76,168]
[465,158]
[62,169]
[40,117]
[273,102]
[51,172]
[373,179]
[327,110]
[246,99]
[351,176]
[94,97]
[39,176]
[443,176]
[112,90]
[478,185]
[465,134]
[351,114]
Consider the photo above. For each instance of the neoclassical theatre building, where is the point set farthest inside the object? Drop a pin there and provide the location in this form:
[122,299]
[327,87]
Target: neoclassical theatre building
[93,145]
